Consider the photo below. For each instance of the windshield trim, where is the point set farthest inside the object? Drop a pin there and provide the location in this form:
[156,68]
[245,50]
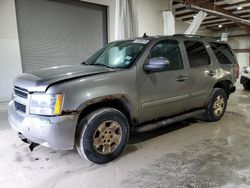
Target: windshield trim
[138,56]
[128,66]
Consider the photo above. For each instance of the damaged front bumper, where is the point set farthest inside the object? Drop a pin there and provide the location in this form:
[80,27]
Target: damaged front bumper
[57,132]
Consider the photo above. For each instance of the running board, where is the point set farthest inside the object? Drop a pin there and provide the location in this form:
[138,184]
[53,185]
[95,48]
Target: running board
[165,122]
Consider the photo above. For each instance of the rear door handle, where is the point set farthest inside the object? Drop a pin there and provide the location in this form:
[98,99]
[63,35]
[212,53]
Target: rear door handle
[211,73]
[181,78]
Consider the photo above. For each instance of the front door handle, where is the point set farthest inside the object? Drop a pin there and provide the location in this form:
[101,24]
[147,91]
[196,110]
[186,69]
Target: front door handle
[181,78]
[211,73]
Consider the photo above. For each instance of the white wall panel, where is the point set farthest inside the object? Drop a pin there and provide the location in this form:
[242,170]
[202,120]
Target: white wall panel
[10,61]
[241,43]
[150,18]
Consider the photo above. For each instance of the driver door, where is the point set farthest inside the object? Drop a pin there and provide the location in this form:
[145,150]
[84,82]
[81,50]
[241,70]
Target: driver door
[163,93]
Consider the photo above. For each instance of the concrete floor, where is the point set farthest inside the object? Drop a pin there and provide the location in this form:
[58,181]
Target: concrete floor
[187,154]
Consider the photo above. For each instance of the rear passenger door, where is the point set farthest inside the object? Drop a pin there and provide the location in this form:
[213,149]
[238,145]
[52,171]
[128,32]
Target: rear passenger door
[225,58]
[201,73]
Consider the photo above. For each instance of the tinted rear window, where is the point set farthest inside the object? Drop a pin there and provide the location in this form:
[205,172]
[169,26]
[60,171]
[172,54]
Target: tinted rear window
[223,53]
[197,53]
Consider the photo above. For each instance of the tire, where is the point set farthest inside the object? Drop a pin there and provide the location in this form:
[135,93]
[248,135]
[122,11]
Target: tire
[246,86]
[215,109]
[102,135]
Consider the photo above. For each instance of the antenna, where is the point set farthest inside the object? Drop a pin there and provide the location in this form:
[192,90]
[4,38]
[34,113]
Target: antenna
[145,35]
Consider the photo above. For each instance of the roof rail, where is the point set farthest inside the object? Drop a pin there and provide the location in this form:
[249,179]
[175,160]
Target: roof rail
[197,36]
[188,35]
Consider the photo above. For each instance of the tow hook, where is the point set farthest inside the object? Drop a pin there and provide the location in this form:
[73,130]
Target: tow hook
[33,145]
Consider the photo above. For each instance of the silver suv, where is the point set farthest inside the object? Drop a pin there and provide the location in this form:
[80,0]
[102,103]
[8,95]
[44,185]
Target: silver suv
[132,84]
[245,78]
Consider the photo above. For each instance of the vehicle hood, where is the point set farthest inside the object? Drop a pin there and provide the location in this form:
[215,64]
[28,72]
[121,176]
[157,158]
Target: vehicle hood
[40,80]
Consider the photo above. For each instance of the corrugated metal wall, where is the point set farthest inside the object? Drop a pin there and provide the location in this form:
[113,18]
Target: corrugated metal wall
[59,32]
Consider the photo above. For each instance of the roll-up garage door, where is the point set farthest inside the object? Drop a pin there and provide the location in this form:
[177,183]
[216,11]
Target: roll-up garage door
[59,32]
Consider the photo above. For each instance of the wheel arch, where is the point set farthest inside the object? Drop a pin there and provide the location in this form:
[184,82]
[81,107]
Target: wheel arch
[224,84]
[119,102]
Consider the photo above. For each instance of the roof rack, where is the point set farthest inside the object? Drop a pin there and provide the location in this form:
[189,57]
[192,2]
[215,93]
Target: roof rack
[188,35]
[196,36]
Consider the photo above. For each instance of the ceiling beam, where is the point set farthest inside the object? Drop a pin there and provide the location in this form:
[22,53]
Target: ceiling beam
[180,9]
[217,1]
[247,50]
[223,6]
[235,9]
[239,35]
[176,2]
[236,4]
[191,18]
[221,30]
[211,6]
[227,26]
[216,23]
[212,20]
[191,13]
[216,18]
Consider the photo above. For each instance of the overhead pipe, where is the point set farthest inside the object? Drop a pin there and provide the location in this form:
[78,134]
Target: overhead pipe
[220,14]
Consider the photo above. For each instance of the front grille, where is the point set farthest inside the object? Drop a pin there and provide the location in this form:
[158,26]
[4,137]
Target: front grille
[20,99]
[21,92]
[20,107]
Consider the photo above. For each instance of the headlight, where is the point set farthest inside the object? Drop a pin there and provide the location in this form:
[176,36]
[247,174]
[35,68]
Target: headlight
[46,104]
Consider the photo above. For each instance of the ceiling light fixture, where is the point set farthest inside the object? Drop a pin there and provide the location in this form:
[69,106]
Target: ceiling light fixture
[220,26]
[239,7]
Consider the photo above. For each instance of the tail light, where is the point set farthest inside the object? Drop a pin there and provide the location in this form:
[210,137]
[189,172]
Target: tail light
[238,71]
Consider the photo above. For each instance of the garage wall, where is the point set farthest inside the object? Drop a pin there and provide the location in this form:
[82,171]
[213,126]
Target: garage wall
[10,61]
[111,15]
[54,33]
[241,43]
[150,18]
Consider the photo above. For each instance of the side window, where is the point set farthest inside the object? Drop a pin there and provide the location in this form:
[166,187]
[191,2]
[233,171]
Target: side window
[223,53]
[170,50]
[197,53]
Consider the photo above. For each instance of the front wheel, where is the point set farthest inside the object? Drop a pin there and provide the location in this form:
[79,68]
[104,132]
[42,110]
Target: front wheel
[102,135]
[217,105]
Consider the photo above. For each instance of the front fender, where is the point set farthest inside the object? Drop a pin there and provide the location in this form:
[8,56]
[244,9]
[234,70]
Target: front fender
[123,99]
[82,92]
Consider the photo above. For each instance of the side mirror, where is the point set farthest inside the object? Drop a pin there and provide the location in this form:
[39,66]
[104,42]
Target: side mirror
[156,64]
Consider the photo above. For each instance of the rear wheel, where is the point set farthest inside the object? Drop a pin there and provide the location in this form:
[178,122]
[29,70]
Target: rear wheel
[217,105]
[102,135]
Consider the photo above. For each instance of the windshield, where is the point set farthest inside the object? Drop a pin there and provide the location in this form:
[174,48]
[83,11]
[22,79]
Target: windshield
[117,55]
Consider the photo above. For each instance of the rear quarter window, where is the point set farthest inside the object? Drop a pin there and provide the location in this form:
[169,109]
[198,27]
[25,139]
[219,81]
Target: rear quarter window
[223,53]
[197,54]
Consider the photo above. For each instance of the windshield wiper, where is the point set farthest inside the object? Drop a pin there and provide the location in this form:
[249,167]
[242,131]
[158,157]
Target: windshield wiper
[84,63]
[103,65]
